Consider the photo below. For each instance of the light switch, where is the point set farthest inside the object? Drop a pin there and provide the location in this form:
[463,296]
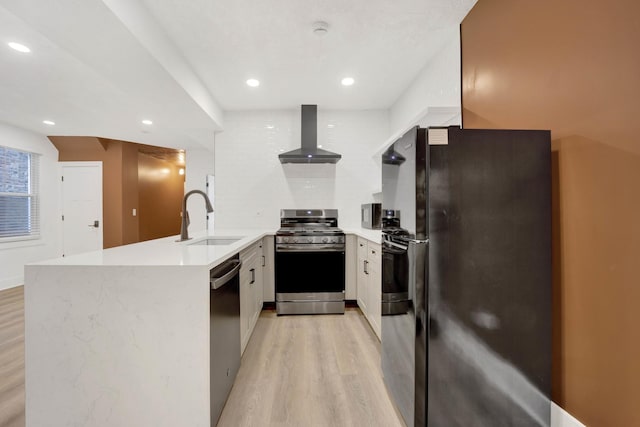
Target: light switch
[134,212]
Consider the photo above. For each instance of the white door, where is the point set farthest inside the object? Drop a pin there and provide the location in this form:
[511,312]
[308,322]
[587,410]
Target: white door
[81,207]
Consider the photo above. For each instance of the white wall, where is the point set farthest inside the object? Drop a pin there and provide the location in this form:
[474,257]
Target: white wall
[252,185]
[437,85]
[14,255]
[199,164]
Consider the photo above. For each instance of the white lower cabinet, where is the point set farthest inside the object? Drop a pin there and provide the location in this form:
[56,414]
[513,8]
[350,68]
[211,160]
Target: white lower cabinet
[251,292]
[362,279]
[369,282]
[351,268]
[268,273]
[374,271]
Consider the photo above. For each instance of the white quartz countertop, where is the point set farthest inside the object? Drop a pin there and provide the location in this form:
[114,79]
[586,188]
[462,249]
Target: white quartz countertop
[166,251]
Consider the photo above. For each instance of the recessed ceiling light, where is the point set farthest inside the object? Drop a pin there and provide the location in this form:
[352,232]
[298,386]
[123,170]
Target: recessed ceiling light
[147,122]
[320,28]
[269,126]
[253,83]
[48,122]
[348,81]
[331,126]
[19,47]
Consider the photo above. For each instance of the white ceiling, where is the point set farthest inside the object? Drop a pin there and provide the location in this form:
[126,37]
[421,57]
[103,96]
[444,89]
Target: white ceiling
[98,67]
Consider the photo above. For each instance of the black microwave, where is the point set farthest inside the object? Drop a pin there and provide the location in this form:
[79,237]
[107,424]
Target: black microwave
[371,216]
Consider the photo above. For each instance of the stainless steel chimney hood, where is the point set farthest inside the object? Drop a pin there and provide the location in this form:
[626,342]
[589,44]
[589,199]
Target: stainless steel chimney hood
[309,151]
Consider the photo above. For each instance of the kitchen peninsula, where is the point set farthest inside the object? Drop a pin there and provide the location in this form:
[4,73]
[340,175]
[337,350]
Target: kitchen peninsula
[121,336]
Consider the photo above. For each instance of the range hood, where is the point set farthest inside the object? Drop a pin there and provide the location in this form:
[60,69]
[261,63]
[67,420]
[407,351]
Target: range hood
[309,151]
[392,157]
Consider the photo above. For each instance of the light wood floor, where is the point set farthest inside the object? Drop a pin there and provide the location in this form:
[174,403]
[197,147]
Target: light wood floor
[12,357]
[310,371]
[296,371]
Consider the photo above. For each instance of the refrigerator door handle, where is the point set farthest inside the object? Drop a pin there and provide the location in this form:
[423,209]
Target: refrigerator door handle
[419,276]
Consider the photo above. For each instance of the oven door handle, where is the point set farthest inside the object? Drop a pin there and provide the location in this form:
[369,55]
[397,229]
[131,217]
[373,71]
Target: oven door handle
[309,248]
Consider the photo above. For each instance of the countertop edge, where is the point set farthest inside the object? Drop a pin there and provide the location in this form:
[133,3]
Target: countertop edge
[166,251]
[371,235]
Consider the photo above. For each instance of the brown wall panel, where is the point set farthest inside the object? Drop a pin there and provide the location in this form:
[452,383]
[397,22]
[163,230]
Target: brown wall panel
[160,189]
[130,232]
[573,67]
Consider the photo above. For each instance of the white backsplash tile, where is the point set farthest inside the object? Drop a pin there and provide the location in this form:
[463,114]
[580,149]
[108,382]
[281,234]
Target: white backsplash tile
[252,185]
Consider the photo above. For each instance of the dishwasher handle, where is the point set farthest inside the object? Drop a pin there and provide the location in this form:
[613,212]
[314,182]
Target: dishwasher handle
[218,282]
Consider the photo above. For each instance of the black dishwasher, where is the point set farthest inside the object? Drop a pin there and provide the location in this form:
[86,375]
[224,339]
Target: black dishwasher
[224,343]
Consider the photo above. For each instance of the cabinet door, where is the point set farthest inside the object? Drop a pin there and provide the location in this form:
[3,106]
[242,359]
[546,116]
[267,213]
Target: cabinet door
[362,275]
[375,289]
[268,282]
[351,268]
[245,304]
[247,293]
[256,290]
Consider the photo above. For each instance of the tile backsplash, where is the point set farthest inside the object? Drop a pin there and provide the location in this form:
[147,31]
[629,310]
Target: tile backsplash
[252,185]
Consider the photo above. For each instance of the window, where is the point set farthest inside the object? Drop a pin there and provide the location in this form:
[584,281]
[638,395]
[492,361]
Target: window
[19,201]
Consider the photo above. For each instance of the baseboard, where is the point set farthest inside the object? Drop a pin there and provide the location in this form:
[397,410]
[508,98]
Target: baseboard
[268,305]
[271,305]
[11,282]
[561,418]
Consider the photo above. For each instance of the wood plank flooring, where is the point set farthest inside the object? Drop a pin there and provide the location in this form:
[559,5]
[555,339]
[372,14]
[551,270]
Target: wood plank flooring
[310,371]
[12,357]
[296,371]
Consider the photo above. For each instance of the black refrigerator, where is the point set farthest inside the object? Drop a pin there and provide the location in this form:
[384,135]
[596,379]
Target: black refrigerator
[466,277]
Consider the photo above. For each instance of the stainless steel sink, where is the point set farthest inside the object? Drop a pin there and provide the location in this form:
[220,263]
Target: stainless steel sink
[226,240]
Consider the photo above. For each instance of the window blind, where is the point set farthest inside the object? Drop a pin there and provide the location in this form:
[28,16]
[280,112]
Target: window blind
[19,198]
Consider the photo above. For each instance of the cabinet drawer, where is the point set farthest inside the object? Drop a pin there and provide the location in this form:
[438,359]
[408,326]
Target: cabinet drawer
[362,248]
[250,260]
[250,254]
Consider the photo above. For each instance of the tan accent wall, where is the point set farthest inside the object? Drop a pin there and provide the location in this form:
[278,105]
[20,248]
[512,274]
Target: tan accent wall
[161,189]
[574,67]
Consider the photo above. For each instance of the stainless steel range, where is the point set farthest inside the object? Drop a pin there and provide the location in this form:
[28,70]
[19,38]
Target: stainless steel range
[310,262]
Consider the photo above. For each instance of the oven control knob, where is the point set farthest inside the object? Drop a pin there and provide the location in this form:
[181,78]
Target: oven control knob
[325,240]
[285,239]
[310,240]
